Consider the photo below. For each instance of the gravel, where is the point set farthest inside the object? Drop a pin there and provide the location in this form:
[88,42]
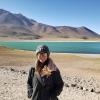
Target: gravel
[13,86]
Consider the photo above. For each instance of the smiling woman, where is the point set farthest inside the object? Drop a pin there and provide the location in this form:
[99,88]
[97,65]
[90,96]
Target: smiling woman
[44,81]
[42,57]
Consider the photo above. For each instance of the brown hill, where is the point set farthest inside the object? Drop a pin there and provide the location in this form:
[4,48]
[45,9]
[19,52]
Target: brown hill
[17,25]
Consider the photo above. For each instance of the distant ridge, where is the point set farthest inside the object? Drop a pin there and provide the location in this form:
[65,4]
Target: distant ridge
[19,26]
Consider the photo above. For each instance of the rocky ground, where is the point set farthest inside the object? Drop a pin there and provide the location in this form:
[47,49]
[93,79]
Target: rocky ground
[13,86]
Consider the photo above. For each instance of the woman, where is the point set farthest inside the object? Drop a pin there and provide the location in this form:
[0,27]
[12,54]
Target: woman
[44,81]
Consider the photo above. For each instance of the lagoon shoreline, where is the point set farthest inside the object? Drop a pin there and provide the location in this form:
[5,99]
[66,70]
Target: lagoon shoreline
[48,39]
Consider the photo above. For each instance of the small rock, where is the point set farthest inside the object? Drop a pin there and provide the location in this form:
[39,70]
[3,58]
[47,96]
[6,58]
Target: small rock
[92,90]
[12,69]
[66,85]
[73,85]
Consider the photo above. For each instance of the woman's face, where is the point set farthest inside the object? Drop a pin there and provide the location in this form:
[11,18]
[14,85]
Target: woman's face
[42,57]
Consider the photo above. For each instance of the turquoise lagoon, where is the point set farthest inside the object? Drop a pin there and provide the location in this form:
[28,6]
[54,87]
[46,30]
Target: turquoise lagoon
[58,47]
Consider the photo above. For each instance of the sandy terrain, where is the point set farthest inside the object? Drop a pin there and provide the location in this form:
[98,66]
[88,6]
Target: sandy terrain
[80,72]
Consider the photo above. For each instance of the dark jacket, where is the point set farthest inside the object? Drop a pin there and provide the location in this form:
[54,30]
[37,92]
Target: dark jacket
[49,89]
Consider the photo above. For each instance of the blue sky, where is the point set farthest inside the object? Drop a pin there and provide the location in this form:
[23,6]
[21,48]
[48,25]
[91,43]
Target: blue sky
[75,13]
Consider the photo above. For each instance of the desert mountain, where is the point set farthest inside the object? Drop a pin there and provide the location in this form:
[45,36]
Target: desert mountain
[20,26]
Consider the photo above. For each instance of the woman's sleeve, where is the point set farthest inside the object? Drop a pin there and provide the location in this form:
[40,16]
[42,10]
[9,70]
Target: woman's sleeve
[58,83]
[29,82]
